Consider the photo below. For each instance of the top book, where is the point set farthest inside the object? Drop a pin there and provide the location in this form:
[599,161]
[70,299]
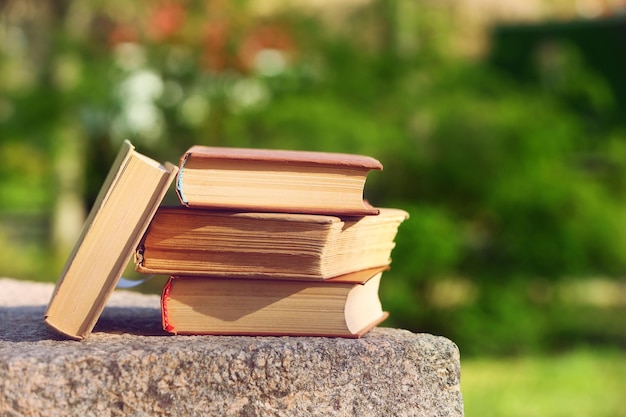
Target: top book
[281,181]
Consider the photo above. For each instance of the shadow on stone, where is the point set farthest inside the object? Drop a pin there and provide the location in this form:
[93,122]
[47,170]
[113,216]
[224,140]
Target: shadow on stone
[25,323]
[141,321]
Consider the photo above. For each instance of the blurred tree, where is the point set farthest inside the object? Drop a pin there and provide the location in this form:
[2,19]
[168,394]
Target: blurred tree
[510,187]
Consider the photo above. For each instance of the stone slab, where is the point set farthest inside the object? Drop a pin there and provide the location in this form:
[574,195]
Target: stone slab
[130,367]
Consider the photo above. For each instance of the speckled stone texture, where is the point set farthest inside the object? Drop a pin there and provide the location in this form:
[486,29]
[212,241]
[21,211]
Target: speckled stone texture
[130,367]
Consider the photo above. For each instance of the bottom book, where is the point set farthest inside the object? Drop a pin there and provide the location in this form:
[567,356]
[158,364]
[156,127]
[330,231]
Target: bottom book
[344,306]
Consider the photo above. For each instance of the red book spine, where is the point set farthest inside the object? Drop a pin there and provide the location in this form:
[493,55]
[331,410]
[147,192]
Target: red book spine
[164,308]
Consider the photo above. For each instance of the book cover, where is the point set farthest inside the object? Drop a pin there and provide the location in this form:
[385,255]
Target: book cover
[129,197]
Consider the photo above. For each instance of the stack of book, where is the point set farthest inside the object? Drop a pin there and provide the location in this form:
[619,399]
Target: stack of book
[265,242]
[270,242]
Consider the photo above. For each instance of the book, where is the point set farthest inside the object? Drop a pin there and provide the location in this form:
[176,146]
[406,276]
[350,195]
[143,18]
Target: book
[126,202]
[182,241]
[345,306]
[275,180]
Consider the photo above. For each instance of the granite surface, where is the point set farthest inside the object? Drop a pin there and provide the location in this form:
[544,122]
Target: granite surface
[130,367]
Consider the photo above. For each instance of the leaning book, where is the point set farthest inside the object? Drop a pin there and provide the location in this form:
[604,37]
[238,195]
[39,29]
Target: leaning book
[275,180]
[345,306]
[182,241]
[122,211]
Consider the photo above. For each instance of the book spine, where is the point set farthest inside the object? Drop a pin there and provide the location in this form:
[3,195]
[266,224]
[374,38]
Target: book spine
[179,180]
[167,326]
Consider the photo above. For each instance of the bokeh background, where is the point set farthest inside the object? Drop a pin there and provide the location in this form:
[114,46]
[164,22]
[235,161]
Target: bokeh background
[501,126]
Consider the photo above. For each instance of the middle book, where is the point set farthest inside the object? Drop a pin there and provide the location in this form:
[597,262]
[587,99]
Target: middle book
[183,241]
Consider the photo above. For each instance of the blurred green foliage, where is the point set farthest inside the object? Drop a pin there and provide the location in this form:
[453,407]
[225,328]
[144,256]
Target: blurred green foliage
[513,191]
[579,383]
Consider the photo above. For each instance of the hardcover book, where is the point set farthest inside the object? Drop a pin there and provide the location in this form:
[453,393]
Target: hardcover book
[181,241]
[275,180]
[346,306]
[122,211]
